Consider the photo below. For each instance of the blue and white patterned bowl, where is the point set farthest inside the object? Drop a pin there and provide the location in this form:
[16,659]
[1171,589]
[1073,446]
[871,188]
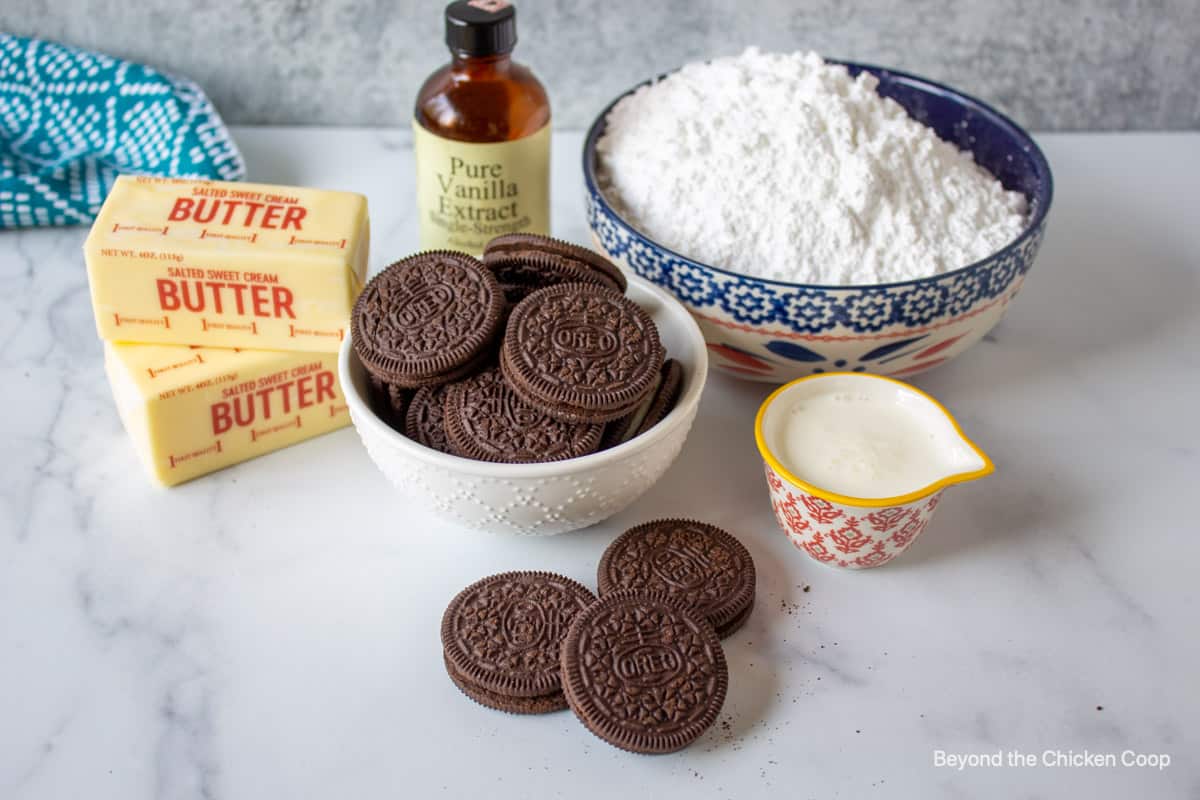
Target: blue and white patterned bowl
[775,331]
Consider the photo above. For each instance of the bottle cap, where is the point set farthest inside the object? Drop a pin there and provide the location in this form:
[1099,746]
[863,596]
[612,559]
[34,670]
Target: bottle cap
[481,27]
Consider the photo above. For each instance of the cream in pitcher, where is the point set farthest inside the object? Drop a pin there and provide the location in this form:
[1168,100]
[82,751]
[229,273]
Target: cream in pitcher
[849,442]
[856,464]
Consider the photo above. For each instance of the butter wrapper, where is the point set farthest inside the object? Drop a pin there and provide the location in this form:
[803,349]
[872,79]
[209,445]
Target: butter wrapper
[193,410]
[222,264]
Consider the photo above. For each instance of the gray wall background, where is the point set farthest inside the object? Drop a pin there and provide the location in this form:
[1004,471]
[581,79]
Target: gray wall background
[1056,65]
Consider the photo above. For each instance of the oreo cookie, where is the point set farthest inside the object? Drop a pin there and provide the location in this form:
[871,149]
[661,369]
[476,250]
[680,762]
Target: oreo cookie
[697,564]
[426,320]
[525,262]
[651,411]
[643,672]
[735,624]
[522,275]
[487,421]
[583,353]
[501,639]
[389,402]
[424,421]
[542,704]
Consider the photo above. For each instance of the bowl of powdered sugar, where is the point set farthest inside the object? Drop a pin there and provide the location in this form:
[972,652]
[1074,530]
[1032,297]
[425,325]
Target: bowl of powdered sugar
[818,216]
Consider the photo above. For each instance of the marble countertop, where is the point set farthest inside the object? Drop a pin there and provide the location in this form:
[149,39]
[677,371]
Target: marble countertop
[271,631]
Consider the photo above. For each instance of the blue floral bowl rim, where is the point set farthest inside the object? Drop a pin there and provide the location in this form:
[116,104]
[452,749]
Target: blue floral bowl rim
[1040,200]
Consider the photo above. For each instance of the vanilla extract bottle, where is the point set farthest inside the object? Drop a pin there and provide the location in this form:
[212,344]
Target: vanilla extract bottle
[481,136]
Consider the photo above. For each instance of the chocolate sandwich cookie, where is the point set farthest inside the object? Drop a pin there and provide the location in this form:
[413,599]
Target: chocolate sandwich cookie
[486,420]
[543,704]
[651,411]
[424,422]
[735,624]
[643,673]
[501,638]
[389,402]
[520,276]
[525,262]
[427,319]
[698,564]
[583,353]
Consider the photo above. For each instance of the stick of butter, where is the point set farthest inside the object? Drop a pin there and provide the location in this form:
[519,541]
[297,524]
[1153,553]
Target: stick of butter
[220,264]
[192,410]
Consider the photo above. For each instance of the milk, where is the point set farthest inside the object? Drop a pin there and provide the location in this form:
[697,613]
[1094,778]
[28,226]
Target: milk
[865,438]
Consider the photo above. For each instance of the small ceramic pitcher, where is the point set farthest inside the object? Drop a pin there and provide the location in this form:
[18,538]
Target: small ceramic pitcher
[858,532]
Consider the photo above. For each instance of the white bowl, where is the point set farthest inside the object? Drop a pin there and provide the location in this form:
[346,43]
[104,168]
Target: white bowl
[539,499]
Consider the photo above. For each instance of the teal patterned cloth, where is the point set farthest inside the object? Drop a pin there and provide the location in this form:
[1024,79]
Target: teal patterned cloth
[71,121]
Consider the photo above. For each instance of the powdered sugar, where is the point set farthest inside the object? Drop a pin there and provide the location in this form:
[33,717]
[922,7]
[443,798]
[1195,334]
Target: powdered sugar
[784,167]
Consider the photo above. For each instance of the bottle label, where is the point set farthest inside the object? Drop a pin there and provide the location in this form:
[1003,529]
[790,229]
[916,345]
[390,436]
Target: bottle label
[469,192]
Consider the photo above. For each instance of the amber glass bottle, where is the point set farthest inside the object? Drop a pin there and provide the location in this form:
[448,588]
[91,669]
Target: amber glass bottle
[481,136]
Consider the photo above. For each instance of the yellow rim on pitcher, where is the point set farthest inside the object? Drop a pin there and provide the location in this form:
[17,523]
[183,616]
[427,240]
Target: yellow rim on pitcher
[867,502]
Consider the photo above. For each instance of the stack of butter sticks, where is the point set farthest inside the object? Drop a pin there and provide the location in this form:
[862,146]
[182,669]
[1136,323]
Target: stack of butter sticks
[222,307]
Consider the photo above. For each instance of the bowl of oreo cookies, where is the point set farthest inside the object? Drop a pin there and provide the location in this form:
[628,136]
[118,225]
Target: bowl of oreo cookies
[536,390]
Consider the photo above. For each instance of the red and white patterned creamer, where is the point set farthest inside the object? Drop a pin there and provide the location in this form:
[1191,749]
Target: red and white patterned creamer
[847,536]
